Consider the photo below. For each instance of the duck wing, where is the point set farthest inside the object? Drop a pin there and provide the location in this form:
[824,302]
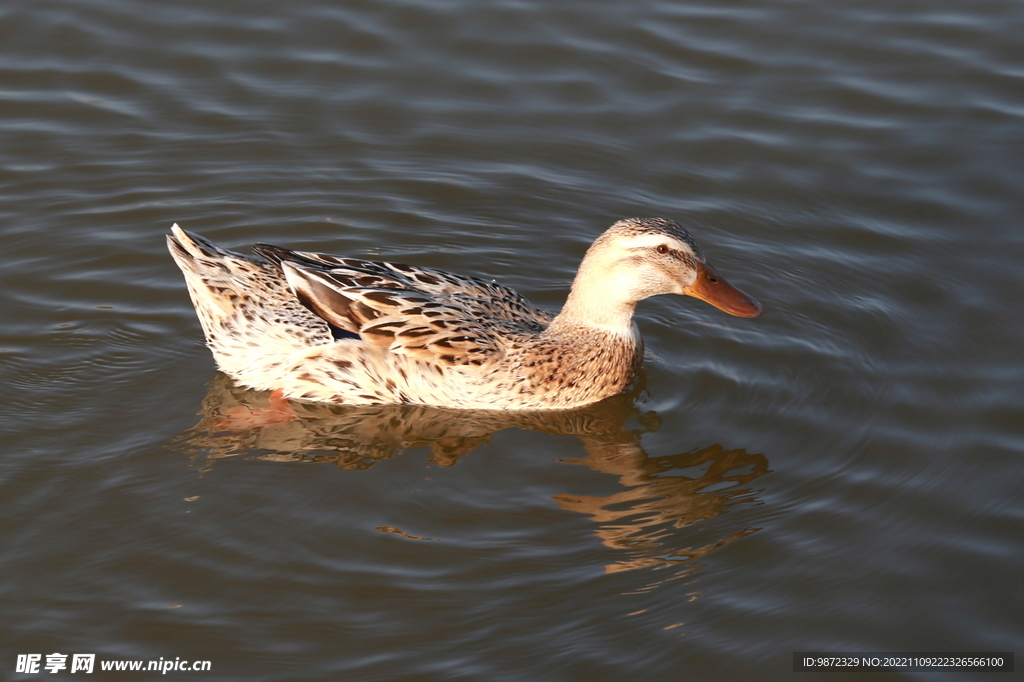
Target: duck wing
[427,314]
[486,298]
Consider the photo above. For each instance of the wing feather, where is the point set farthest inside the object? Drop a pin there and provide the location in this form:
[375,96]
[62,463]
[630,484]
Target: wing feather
[480,297]
[451,328]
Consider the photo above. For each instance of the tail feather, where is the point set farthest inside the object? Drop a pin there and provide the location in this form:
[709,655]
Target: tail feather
[239,298]
[198,246]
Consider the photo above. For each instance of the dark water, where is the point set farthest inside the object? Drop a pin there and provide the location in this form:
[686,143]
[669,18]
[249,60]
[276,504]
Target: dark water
[841,474]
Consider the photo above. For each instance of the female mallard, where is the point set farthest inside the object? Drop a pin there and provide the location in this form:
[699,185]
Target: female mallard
[330,329]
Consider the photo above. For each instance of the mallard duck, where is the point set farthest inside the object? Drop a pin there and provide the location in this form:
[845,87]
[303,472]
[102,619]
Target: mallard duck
[321,328]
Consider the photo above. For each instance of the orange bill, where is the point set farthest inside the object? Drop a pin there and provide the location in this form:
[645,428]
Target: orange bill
[712,288]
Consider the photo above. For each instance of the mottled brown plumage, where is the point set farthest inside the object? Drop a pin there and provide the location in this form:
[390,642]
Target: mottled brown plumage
[330,329]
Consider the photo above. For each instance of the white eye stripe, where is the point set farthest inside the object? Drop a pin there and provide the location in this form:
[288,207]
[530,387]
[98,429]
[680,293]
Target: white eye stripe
[654,241]
[646,241]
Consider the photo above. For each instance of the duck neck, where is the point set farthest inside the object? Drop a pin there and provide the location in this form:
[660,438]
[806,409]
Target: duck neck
[598,300]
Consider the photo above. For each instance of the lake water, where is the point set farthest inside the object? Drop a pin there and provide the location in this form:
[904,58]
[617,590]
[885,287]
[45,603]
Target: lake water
[841,474]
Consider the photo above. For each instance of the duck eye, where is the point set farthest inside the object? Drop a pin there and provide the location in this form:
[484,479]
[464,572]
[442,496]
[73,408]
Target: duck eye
[661,248]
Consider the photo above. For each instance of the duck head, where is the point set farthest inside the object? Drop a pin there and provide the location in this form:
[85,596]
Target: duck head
[638,258]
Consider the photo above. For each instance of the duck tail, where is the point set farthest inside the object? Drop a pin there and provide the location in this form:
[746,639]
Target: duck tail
[189,245]
[240,298]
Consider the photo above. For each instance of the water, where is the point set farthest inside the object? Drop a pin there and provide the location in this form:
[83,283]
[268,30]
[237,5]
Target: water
[841,474]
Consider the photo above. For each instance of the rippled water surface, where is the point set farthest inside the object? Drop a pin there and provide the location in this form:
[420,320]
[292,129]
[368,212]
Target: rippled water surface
[841,474]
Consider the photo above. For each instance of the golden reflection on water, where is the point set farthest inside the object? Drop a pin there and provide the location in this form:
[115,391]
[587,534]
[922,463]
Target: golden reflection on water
[638,520]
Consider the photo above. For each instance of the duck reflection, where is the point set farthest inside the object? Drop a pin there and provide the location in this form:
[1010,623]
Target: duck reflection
[658,493]
[638,519]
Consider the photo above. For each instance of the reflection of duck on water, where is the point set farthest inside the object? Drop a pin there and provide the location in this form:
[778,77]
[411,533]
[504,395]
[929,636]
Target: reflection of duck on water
[638,520]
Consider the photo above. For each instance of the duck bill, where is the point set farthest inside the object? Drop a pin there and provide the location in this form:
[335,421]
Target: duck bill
[712,288]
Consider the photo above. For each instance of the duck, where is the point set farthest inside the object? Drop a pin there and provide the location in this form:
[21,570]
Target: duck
[313,327]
